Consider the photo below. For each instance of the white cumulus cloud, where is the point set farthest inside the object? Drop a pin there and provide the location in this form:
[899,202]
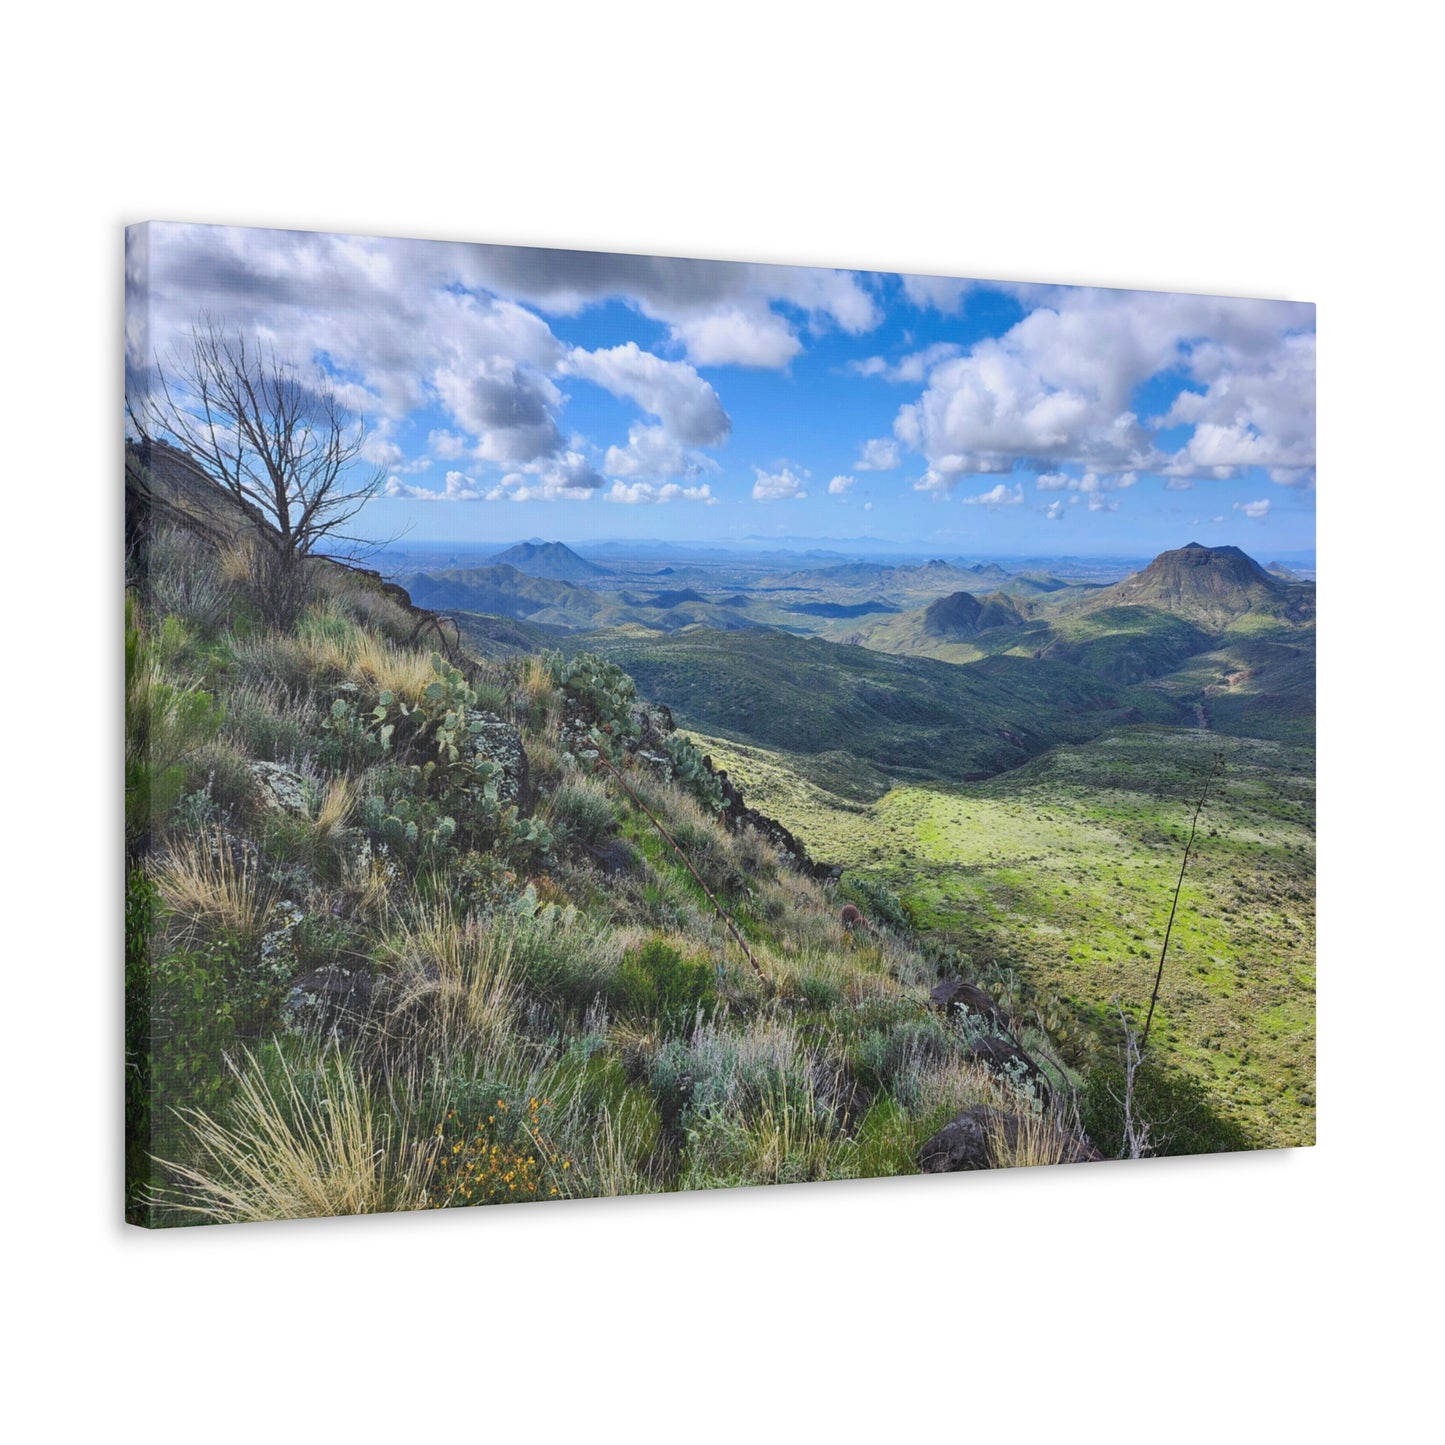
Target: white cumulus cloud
[878,455]
[786,484]
[840,486]
[634,494]
[687,406]
[999,496]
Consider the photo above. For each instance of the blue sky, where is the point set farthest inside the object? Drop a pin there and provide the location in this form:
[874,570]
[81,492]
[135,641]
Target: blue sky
[510,392]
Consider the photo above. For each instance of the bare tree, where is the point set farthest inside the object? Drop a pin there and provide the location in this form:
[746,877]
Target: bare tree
[287,451]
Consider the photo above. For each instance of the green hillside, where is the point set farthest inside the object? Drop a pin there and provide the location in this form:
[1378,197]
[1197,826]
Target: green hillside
[1061,873]
[856,720]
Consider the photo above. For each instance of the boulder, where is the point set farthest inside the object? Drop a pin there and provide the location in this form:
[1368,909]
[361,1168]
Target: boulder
[283,788]
[331,999]
[966,1141]
[959,993]
[499,742]
[1003,1056]
[970,1140]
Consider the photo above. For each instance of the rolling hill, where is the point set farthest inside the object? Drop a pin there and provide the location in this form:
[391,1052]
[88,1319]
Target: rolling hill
[858,719]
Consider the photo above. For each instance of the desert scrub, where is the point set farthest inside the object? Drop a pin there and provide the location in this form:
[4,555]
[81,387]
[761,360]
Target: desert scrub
[364,602]
[896,1058]
[267,720]
[691,773]
[787,1135]
[182,580]
[501,1157]
[166,723]
[581,813]
[599,689]
[299,1140]
[878,902]
[659,981]
[219,771]
[453,987]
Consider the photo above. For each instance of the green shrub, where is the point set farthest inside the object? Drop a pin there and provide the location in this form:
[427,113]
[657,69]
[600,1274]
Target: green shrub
[582,812]
[166,723]
[658,981]
[1176,1108]
[895,1058]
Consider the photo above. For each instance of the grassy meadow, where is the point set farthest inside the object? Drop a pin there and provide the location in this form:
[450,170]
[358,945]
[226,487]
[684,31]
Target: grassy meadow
[1062,873]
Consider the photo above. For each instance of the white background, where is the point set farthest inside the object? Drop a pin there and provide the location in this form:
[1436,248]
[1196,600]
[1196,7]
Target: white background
[1252,149]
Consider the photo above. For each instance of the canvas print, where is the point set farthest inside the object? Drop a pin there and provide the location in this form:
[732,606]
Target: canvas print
[613,724]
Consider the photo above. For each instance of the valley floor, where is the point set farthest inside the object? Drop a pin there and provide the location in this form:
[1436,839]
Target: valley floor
[1063,872]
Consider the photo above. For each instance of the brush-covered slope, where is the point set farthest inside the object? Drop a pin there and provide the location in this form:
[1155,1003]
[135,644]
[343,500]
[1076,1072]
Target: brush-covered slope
[399,938]
[862,717]
[962,615]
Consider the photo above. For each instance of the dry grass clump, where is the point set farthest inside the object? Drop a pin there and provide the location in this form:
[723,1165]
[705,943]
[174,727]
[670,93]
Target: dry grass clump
[334,811]
[182,580]
[621,1157]
[209,893]
[327,649]
[309,1145]
[761,1113]
[363,601]
[1031,1137]
[456,985]
[220,770]
[269,720]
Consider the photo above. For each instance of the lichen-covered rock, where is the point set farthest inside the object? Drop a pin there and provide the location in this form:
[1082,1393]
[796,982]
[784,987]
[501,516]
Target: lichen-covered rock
[966,1142]
[1004,1057]
[959,993]
[500,742]
[283,788]
[334,999]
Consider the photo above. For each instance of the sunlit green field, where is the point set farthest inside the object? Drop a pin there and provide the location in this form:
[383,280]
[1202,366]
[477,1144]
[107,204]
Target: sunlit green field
[1064,871]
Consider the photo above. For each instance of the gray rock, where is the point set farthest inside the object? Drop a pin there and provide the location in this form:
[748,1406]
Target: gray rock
[326,1000]
[966,1142]
[500,742]
[1005,1057]
[969,1141]
[283,788]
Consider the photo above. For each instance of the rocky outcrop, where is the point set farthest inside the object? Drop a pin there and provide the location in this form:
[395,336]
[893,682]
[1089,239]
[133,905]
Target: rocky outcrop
[654,723]
[499,742]
[739,815]
[331,1000]
[1001,1055]
[283,789]
[980,1137]
[960,994]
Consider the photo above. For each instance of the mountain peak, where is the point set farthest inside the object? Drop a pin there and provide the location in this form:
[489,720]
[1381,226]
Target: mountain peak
[1209,585]
[548,559]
